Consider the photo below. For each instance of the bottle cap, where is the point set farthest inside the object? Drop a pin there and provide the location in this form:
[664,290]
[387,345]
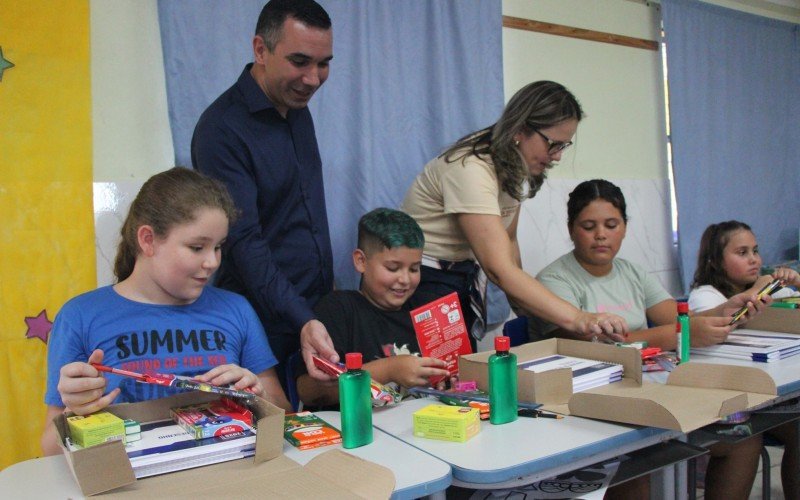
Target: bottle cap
[683,307]
[502,343]
[352,360]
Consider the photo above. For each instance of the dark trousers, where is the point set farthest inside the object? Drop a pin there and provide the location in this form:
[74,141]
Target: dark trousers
[435,283]
[284,345]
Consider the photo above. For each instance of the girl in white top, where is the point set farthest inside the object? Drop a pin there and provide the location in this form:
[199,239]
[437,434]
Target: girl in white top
[728,262]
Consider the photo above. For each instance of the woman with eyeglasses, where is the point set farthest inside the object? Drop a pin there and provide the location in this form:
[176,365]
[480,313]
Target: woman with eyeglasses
[467,202]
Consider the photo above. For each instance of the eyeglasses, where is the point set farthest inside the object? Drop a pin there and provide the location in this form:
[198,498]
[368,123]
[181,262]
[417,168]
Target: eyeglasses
[554,147]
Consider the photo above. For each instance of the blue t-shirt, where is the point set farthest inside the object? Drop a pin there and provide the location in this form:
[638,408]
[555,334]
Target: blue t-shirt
[218,328]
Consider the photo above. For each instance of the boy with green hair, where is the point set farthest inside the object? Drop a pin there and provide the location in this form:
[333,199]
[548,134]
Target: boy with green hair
[375,319]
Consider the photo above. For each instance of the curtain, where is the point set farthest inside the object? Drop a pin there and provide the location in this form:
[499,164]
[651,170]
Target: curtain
[407,78]
[734,102]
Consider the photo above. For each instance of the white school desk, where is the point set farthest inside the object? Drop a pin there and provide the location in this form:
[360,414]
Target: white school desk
[523,451]
[416,473]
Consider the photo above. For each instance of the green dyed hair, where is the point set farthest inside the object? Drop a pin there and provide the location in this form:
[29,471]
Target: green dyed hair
[384,228]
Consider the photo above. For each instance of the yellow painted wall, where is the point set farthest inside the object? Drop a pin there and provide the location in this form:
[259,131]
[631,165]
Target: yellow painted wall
[47,230]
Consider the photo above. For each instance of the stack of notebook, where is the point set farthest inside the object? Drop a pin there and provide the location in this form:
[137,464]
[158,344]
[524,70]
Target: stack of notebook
[586,373]
[166,447]
[754,345]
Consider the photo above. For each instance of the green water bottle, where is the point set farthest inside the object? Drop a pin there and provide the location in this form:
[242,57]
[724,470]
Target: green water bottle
[354,403]
[502,383]
[684,337]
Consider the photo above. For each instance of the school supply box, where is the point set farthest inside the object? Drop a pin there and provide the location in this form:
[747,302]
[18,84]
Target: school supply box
[447,423]
[694,395]
[269,473]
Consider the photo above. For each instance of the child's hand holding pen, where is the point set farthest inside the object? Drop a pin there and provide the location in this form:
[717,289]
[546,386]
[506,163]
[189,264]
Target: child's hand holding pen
[82,386]
[233,375]
[752,304]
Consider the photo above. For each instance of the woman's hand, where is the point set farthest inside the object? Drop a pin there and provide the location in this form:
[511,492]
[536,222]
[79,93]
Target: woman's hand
[709,330]
[600,327]
[241,379]
[81,386]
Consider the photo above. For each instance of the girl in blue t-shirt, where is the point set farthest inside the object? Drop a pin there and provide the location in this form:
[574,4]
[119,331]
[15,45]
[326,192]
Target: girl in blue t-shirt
[160,317]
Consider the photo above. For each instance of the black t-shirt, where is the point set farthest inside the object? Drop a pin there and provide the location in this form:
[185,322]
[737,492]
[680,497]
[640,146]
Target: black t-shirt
[356,325]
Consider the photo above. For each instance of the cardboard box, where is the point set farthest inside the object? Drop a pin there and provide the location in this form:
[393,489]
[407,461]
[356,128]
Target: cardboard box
[552,387]
[447,423]
[695,394]
[775,319]
[269,474]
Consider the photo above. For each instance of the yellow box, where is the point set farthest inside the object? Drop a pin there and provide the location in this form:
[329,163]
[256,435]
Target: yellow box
[95,429]
[448,423]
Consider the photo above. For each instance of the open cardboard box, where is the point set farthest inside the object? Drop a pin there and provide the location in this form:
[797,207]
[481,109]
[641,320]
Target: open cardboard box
[552,387]
[106,467]
[775,319]
[695,394]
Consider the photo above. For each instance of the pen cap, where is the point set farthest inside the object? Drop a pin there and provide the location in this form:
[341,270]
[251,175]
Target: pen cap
[352,360]
[502,343]
[683,308]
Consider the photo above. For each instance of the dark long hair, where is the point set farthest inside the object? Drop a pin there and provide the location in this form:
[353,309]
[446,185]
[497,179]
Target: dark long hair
[166,199]
[709,269]
[535,106]
[595,189]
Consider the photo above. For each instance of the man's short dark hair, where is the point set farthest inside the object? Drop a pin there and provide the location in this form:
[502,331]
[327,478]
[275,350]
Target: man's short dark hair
[275,12]
[384,228]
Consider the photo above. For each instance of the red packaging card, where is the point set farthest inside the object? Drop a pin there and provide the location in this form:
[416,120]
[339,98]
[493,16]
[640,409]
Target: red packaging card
[441,332]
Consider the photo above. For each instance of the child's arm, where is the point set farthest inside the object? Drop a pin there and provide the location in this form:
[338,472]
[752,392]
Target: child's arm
[705,331]
[406,370]
[49,436]
[748,298]
[264,385]
[315,393]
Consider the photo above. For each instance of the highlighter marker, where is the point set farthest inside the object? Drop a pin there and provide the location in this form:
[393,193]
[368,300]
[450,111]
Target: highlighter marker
[784,305]
[768,289]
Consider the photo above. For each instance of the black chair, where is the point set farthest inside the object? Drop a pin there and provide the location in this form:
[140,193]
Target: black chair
[517,330]
[291,381]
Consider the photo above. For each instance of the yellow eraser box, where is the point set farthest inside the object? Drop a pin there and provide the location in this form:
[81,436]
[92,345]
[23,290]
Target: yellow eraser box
[95,429]
[448,423]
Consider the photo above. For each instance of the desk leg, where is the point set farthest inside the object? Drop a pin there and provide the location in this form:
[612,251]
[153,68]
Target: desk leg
[663,483]
[439,495]
[691,479]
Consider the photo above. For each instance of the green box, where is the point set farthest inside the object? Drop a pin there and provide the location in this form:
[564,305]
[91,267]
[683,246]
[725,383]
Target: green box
[86,431]
[447,423]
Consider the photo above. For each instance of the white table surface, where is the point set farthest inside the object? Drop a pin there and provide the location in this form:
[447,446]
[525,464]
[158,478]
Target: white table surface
[416,473]
[523,451]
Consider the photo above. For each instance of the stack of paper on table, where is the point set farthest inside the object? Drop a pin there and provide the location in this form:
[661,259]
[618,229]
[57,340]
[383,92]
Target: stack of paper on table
[586,373]
[166,447]
[755,345]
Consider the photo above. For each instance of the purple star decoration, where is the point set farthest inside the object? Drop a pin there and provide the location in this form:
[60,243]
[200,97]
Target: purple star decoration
[38,326]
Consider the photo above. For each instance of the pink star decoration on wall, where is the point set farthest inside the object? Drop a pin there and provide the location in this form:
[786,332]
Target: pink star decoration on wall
[39,326]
